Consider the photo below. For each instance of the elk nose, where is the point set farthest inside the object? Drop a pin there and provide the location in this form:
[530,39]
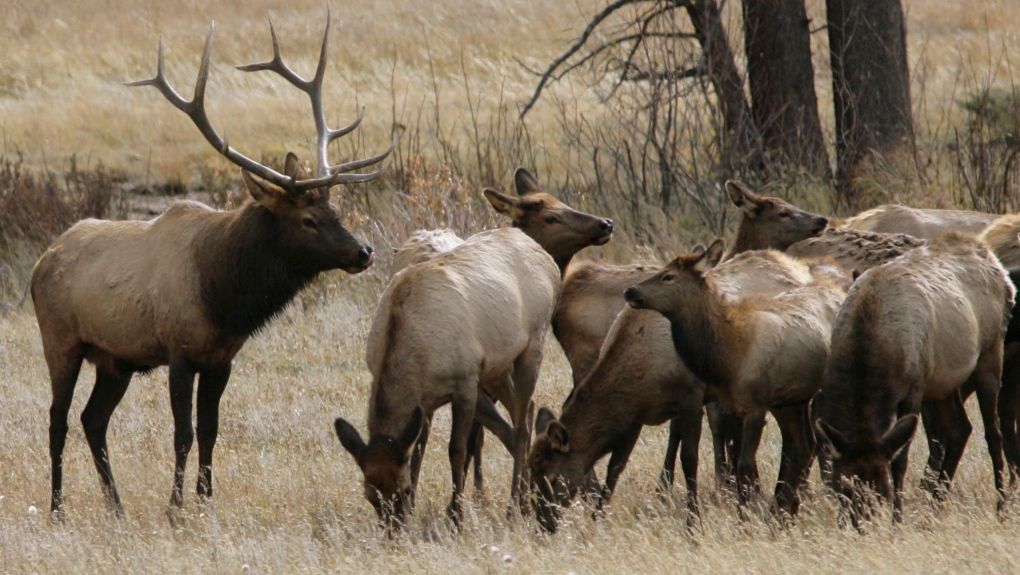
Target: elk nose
[606,225]
[822,222]
[631,295]
[366,256]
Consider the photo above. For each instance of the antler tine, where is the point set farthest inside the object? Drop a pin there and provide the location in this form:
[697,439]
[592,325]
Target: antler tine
[334,134]
[195,109]
[277,64]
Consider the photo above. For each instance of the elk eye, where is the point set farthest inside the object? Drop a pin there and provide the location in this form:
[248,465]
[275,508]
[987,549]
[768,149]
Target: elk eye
[668,277]
[309,223]
[552,219]
[784,214]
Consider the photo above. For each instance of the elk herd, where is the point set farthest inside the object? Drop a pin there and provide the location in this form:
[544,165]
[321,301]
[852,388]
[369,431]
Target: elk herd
[848,335]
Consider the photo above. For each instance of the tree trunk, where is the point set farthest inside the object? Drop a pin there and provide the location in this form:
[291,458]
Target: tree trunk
[742,139]
[870,86]
[782,81]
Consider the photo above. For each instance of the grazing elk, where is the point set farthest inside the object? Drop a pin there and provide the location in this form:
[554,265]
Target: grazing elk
[921,223]
[759,354]
[421,246]
[469,319]
[188,288]
[640,380]
[915,329]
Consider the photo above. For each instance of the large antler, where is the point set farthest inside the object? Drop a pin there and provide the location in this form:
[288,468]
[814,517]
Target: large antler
[326,175]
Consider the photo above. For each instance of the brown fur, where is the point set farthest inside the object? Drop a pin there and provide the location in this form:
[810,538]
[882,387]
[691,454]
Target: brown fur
[640,380]
[855,250]
[185,289]
[469,319]
[770,222]
[921,223]
[915,329]
[760,354]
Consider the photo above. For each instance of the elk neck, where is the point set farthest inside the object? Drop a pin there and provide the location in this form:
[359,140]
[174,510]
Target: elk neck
[246,280]
[707,336]
[398,387]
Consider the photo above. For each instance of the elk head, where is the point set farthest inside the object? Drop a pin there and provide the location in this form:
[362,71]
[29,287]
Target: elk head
[862,467]
[771,222]
[385,463]
[668,291]
[561,230]
[306,219]
[555,476]
[308,226]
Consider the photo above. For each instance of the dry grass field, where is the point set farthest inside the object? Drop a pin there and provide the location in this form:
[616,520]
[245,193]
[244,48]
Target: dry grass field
[288,498]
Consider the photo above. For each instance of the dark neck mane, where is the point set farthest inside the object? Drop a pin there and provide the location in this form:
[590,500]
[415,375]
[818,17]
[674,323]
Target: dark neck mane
[245,279]
[698,339]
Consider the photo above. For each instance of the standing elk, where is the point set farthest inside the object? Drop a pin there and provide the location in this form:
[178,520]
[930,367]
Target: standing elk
[471,319]
[188,288]
[640,380]
[759,354]
[915,329]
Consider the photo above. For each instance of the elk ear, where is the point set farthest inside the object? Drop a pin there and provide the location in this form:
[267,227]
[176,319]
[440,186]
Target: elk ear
[503,204]
[269,195]
[743,197]
[349,438]
[698,249]
[559,439]
[835,442]
[899,436]
[292,167]
[409,437]
[543,419]
[710,257]
[525,182]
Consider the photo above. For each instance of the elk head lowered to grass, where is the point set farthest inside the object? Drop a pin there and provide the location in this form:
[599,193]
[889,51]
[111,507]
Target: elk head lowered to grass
[467,321]
[188,288]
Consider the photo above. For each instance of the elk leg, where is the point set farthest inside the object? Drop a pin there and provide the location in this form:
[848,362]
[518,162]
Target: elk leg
[956,428]
[797,453]
[182,385]
[617,463]
[525,374]
[490,418]
[463,417]
[64,371]
[898,466]
[747,465]
[111,384]
[714,413]
[821,453]
[666,476]
[690,440]
[419,451]
[931,414]
[1007,406]
[211,383]
[986,379]
[476,440]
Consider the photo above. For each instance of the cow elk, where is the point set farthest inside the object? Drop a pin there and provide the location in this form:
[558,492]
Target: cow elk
[640,380]
[915,329]
[759,354]
[471,319]
[188,288]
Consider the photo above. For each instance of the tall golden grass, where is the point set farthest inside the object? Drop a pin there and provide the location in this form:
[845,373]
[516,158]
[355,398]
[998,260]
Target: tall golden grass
[288,499]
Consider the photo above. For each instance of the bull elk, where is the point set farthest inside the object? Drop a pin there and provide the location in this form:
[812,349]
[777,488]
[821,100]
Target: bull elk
[188,288]
[915,329]
[467,321]
[759,354]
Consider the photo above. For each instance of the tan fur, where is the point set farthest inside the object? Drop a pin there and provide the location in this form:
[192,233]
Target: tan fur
[1002,237]
[915,329]
[855,250]
[468,319]
[186,289]
[423,245]
[759,353]
[920,223]
[640,380]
